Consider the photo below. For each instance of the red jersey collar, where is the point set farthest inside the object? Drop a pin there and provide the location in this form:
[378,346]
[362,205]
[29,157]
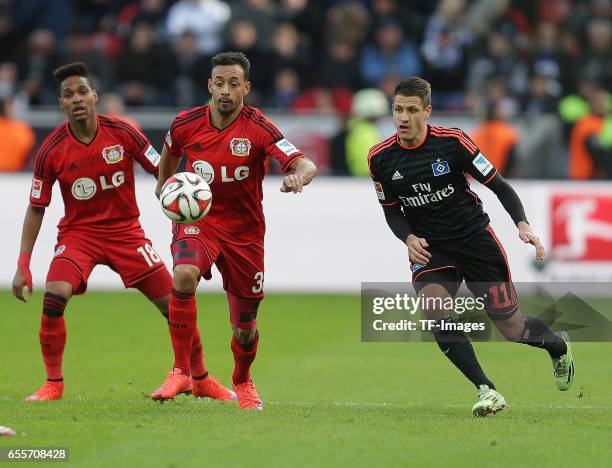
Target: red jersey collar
[209,115]
[73,136]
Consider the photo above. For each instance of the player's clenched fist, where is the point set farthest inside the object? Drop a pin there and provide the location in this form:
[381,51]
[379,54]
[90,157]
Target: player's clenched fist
[292,183]
[417,249]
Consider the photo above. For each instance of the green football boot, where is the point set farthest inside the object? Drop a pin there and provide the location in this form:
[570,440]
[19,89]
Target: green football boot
[563,367]
[490,401]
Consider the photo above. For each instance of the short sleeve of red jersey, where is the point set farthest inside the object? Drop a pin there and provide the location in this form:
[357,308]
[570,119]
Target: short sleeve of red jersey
[44,173]
[144,153]
[273,141]
[135,142]
[176,135]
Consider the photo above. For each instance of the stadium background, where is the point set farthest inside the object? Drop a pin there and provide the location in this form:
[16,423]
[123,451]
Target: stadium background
[529,80]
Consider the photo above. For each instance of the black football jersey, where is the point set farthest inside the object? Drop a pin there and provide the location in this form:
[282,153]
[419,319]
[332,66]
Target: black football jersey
[429,182]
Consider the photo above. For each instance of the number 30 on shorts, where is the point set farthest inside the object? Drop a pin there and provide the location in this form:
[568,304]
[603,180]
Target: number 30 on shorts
[149,254]
[259,278]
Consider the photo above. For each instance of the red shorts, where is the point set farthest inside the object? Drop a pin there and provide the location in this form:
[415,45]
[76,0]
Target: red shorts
[241,265]
[130,254]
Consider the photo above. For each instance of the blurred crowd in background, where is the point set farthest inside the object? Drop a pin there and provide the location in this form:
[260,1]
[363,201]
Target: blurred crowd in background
[547,62]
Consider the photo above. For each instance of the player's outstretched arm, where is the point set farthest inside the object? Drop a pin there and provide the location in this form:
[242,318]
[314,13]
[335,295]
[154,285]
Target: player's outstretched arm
[300,173]
[31,227]
[513,205]
[167,167]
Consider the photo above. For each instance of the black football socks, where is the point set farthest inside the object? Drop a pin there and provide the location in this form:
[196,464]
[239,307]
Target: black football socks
[459,350]
[537,334]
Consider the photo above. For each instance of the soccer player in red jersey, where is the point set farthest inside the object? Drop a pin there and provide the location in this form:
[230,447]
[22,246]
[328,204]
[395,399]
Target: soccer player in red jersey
[92,157]
[226,143]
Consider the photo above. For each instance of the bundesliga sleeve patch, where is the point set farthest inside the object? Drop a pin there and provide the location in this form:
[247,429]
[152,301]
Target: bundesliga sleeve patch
[482,164]
[152,155]
[168,139]
[379,190]
[286,147]
[36,188]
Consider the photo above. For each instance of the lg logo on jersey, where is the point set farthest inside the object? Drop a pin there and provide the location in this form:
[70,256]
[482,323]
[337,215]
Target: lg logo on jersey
[85,188]
[207,172]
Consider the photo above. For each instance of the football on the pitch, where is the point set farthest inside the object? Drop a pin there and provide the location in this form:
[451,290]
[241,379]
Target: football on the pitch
[185,198]
[7,432]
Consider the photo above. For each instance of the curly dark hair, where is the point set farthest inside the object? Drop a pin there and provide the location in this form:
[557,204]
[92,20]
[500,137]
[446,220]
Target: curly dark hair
[72,69]
[232,58]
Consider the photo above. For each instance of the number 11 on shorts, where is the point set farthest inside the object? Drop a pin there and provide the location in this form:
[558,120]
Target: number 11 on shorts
[149,254]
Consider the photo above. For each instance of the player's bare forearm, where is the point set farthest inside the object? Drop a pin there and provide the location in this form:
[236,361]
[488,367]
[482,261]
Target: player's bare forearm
[300,173]
[167,168]
[31,227]
[306,168]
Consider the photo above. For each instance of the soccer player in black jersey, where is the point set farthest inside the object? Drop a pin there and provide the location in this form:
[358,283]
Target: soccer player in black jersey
[420,179]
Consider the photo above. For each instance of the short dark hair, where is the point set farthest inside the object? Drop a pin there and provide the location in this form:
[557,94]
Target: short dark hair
[414,86]
[72,69]
[232,58]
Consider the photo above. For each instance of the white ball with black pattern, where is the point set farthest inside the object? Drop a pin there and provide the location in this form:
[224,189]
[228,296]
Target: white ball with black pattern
[185,198]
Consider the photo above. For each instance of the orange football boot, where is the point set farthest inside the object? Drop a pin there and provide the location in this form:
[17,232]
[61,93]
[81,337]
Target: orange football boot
[209,387]
[49,391]
[247,396]
[175,384]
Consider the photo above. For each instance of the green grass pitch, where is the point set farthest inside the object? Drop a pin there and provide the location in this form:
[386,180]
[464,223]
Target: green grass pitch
[330,399]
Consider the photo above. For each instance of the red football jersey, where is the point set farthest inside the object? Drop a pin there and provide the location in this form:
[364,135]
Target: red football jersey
[232,161]
[96,179]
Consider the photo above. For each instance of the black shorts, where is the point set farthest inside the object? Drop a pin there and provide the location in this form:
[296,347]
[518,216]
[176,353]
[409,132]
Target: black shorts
[481,261]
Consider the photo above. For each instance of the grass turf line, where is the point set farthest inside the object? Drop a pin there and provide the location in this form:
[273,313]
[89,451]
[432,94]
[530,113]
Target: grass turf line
[330,399]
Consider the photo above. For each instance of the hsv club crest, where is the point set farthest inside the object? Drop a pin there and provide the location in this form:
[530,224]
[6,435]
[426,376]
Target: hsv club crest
[240,146]
[113,154]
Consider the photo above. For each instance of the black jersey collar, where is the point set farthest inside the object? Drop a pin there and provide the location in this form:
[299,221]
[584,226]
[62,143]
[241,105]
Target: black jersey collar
[399,142]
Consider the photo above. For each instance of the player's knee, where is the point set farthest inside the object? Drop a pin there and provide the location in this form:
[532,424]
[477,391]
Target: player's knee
[508,320]
[511,330]
[185,278]
[435,301]
[513,335]
[59,288]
